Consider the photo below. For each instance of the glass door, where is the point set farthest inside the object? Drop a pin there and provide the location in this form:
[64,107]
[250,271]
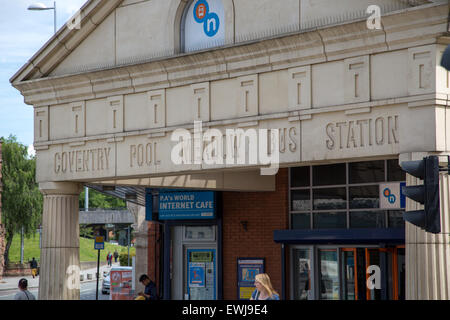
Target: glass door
[372,259]
[328,274]
[349,274]
[302,260]
[399,273]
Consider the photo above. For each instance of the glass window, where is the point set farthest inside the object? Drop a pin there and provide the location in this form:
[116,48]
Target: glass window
[330,220]
[364,197]
[300,177]
[301,221]
[364,172]
[394,171]
[395,219]
[300,200]
[340,195]
[329,277]
[367,219]
[199,233]
[330,198]
[332,174]
[302,274]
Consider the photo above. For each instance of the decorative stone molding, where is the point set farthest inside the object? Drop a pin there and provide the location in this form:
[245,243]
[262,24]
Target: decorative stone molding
[325,44]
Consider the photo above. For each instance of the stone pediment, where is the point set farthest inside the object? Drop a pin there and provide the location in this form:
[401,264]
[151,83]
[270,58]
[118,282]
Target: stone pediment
[66,40]
[111,33]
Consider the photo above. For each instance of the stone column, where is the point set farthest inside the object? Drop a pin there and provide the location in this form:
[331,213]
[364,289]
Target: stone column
[140,228]
[427,254]
[60,253]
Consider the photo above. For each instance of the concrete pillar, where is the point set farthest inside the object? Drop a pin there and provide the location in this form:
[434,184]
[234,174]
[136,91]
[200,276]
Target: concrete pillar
[140,232]
[60,253]
[427,254]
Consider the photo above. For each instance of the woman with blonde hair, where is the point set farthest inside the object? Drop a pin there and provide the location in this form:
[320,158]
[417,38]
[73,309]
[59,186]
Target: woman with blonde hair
[264,289]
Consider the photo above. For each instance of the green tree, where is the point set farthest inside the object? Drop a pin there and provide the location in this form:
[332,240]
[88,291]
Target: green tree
[21,198]
[100,200]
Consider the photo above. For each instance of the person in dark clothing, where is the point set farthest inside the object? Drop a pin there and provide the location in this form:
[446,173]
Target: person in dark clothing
[116,255]
[33,266]
[150,288]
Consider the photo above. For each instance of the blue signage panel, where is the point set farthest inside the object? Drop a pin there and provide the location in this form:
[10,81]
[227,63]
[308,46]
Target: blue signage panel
[248,268]
[99,243]
[186,205]
[196,274]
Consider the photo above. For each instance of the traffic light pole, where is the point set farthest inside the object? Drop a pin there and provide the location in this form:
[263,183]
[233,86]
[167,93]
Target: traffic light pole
[426,254]
[98,274]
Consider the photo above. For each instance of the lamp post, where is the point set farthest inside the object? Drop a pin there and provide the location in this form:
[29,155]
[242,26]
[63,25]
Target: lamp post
[40,7]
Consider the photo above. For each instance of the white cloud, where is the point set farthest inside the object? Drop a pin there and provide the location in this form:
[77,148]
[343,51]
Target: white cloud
[31,151]
[22,33]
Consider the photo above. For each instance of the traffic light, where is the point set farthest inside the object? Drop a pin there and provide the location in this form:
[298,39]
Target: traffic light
[427,194]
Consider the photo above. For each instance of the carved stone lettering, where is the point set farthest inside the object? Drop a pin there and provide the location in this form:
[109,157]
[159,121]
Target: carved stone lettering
[362,133]
[89,160]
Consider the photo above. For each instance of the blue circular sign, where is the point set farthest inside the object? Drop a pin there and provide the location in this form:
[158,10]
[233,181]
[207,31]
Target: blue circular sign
[211,25]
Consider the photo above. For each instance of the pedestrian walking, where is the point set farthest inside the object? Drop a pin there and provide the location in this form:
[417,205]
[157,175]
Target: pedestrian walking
[264,289]
[109,259]
[150,289]
[33,266]
[116,255]
[23,293]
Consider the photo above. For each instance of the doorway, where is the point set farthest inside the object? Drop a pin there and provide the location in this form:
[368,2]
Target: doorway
[343,273]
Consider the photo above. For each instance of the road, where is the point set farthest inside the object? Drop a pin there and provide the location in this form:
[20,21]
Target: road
[87,292]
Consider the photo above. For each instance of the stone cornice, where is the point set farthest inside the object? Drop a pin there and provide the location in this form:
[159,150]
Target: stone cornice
[426,100]
[401,30]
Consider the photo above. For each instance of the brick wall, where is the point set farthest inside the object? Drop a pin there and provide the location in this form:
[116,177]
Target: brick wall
[17,270]
[154,253]
[264,212]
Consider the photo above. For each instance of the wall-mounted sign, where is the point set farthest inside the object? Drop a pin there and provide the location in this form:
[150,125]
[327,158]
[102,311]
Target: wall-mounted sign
[186,205]
[391,195]
[204,25]
[196,274]
[248,268]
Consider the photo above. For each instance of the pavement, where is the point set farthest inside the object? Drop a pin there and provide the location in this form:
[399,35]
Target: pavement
[88,275]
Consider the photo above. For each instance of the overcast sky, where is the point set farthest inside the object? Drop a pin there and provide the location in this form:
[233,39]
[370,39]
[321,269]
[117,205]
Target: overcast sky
[22,34]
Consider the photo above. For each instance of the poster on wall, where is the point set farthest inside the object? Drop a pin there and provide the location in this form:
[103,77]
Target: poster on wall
[196,274]
[248,268]
[121,285]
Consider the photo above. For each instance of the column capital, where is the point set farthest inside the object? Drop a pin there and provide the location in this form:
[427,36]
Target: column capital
[414,156]
[63,188]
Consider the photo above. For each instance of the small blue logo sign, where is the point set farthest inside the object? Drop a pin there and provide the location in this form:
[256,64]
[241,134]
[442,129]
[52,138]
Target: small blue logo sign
[210,20]
[391,197]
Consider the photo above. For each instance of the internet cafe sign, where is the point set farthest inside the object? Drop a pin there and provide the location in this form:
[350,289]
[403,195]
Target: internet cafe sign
[204,25]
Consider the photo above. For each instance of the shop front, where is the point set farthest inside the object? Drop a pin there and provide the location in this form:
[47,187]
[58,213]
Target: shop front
[346,238]
[341,272]
[191,242]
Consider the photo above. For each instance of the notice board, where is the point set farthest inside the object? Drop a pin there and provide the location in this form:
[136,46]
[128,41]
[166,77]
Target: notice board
[247,269]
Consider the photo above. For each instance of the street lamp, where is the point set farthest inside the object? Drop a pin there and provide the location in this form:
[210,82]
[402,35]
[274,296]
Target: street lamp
[40,7]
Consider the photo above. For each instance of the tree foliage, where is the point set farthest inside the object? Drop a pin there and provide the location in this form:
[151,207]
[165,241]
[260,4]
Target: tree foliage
[21,198]
[100,200]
